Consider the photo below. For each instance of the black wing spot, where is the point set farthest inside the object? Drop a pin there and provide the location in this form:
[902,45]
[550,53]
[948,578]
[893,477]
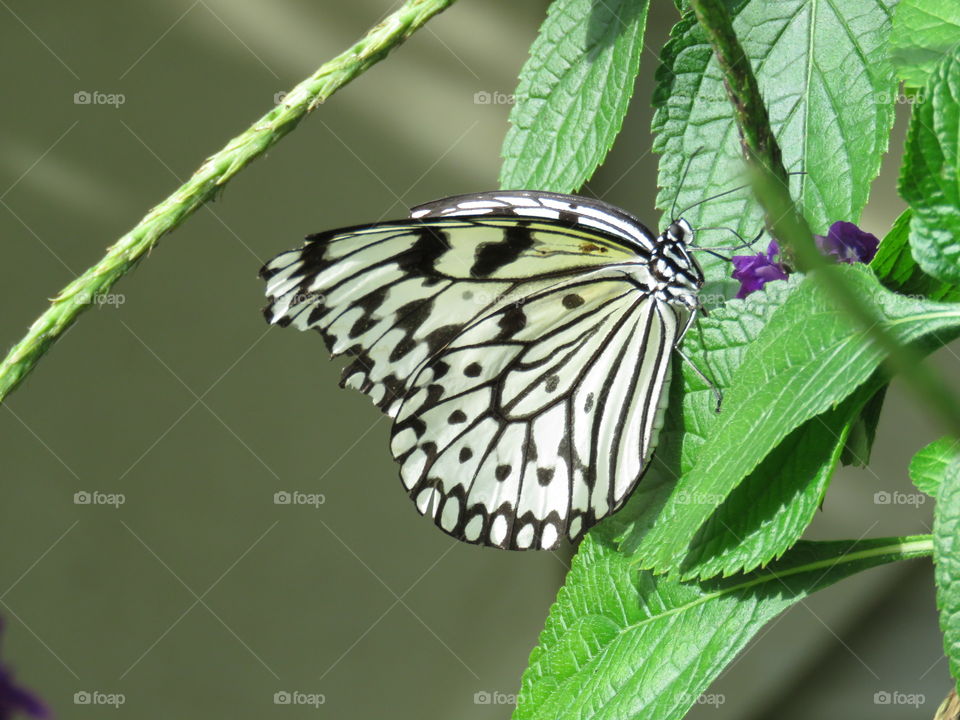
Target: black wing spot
[418,426]
[457,417]
[420,259]
[572,301]
[529,448]
[413,314]
[513,321]
[362,326]
[502,472]
[430,450]
[473,370]
[465,454]
[492,256]
[439,338]
[317,313]
[394,389]
[402,348]
[370,304]
[440,368]
[552,382]
[588,405]
[314,255]
[434,393]
[545,475]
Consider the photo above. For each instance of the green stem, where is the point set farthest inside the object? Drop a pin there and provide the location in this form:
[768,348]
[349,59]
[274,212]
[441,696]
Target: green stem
[207,181]
[788,225]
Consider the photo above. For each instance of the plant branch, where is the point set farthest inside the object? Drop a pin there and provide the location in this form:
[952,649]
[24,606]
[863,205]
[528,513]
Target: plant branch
[207,181]
[785,221]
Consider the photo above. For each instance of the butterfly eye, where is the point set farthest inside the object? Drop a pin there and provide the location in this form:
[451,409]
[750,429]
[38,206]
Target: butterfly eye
[677,231]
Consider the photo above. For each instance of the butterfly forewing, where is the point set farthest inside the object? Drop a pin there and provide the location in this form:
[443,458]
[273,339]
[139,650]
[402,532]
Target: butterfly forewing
[522,342]
[393,294]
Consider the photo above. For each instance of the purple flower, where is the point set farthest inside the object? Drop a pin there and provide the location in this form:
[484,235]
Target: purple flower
[755,271]
[14,699]
[844,242]
[847,243]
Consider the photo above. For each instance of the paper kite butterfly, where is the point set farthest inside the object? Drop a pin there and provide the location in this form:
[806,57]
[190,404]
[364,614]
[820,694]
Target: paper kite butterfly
[521,341]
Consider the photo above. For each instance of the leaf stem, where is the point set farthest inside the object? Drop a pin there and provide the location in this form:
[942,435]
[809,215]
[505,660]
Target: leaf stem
[892,549]
[204,184]
[787,224]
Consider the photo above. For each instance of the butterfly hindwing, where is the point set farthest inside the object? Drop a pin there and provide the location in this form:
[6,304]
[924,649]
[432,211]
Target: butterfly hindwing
[538,419]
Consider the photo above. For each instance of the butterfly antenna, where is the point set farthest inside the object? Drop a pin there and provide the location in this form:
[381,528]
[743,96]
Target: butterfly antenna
[683,179]
[713,197]
[743,243]
[711,251]
[729,192]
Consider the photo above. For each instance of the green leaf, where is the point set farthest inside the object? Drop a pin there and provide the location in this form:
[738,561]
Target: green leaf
[946,556]
[923,32]
[929,466]
[863,430]
[573,93]
[929,178]
[772,507]
[897,270]
[621,643]
[822,70]
[807,359]
[717,345]
[767,513]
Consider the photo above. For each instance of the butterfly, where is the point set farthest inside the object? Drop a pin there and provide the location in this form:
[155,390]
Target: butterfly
[521,342]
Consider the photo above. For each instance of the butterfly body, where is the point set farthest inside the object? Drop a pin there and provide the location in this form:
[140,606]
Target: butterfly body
[521,342]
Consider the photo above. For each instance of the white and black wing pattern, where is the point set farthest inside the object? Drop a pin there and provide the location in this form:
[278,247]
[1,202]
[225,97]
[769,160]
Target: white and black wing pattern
[602,303]
[539,419]
[392,294]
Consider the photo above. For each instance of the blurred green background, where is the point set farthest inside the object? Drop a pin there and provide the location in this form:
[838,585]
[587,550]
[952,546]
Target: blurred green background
[200,597]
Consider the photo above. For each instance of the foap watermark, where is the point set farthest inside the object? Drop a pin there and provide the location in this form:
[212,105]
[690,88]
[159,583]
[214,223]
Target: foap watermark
[714,699]
[297,697]
[485,97]
[712,300]
[295,497]
[100,299]
[84,497]
[494,697]
[304,297]
[895,697]
[900,98]
[885,497]
[685,497]
[96,97]
[97,697]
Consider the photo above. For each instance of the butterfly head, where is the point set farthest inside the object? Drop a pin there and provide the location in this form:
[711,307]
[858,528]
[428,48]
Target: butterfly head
[675,267]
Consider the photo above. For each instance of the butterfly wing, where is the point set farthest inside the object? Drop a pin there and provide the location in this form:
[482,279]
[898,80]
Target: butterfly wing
[511,337]
[539,419]
[393,294]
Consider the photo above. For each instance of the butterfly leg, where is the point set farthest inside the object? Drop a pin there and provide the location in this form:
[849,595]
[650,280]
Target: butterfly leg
[713,386]
[716,391]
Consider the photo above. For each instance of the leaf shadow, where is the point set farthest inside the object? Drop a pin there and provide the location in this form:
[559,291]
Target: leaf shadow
[607,19]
